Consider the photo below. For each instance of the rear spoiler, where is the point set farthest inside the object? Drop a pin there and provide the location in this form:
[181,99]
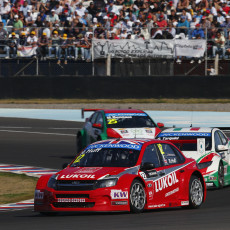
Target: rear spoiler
[87,110]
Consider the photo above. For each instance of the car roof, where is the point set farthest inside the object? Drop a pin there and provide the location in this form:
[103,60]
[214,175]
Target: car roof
[123,111]
[190,129]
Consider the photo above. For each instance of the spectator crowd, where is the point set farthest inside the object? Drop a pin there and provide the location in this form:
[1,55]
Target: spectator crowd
[65,28]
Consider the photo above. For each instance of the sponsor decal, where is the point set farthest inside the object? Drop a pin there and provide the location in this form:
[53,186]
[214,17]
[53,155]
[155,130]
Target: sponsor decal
[170,138]
[178,134]
[125,114]
[152,173]
[172,192]
[184,203]
[123,146]
[118,194]
[209,184]
[143,175]
[201,146]
[75,200]
[122,202]
[124,131]
[148,131]
[172,160]
[149,185]
[212,178]
[38,194]
[81,176]
[225,169]
[157,206]
[88,170]
[165,182]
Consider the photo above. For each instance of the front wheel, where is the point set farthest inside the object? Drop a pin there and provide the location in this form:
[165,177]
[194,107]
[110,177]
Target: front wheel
[196,192]
[221,175]
[137,197]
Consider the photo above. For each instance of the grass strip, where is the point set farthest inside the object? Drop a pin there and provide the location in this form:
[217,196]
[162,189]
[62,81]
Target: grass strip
[16,187]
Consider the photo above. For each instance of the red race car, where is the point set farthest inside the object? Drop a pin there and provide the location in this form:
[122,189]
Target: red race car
[123,175]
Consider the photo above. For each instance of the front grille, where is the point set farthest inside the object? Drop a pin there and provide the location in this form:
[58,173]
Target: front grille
[72,195]
[74,205]
[75,185]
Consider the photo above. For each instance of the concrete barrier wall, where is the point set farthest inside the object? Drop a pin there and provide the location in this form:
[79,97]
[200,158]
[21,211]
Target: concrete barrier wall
[115,87]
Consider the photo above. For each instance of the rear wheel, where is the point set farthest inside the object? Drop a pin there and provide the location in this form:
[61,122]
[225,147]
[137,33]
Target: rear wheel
[196,192]
[79,143]
[221,175]
[137,197]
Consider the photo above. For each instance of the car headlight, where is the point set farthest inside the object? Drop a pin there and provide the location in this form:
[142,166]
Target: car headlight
[106,183]
[52,182]
[204,165]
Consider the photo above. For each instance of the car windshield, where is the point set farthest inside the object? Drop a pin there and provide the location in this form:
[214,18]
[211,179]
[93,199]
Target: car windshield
[107,157]
[186,143]
[129,120]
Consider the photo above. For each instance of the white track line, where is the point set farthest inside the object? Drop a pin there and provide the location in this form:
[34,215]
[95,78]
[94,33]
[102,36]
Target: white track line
[58,134]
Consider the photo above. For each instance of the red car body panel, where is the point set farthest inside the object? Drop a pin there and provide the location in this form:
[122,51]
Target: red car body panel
[169,190]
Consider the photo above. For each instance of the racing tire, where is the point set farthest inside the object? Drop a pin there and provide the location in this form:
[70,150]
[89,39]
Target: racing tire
[79,143]
[221,175]
[196,192]
[137,197]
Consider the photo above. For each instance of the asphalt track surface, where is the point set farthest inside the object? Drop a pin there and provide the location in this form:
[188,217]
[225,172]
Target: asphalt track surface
[50,144]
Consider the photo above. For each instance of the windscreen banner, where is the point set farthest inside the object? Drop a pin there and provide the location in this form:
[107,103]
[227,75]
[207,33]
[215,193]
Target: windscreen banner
[139,48]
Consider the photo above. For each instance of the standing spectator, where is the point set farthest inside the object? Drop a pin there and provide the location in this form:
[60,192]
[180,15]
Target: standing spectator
[5,10]
[71,46]
[43,46]
[17,23]
[63,48]
[54,42]
[219,45]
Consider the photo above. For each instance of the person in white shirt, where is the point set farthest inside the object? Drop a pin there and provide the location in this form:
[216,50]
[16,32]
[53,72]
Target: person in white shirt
[29,19]
[25,8]
[5,10]
[32,39]
[58,9]
[53,18]
[80,10]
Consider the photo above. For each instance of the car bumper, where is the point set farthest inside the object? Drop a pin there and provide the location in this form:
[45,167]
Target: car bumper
[96,200]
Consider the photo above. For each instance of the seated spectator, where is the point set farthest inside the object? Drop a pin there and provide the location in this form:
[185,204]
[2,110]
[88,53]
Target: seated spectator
[198,31]
[183,25]
[63,48]
[17,23]
[12,43]
[3,40]
[5,10]
[53,18]
[219,45]
[29,19]
[71,46]
[162,23]
[22,41]
[25,7]
[43,46]
[54,43]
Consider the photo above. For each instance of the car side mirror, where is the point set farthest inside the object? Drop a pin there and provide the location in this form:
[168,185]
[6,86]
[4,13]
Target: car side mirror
[98,126]
[160,125]
[64,165]
[221,148]
[147,166]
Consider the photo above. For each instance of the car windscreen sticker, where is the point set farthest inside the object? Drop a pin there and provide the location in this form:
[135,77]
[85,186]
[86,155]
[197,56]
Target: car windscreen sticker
[187,134]
[201,146]
[124,115]
[120,146]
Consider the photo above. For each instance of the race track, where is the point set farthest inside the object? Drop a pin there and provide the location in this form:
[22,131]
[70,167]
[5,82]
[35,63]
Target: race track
[49,144]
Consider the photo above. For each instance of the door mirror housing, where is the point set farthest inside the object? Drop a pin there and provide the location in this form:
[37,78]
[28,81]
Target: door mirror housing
[160,125]
[98,126]
[221,148]
[147,166]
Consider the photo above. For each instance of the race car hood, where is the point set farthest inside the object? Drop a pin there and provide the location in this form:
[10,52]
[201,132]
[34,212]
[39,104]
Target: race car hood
[137,132]
[88,173]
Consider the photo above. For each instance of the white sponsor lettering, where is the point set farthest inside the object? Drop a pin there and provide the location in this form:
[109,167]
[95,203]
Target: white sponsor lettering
[157,206]
[75,200]
[38,194]
[165,182]
[171,192]
[119,194]
[82,176]
[184,203]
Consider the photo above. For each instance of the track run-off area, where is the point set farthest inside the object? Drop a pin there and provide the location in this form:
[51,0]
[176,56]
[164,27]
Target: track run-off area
[49,144]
